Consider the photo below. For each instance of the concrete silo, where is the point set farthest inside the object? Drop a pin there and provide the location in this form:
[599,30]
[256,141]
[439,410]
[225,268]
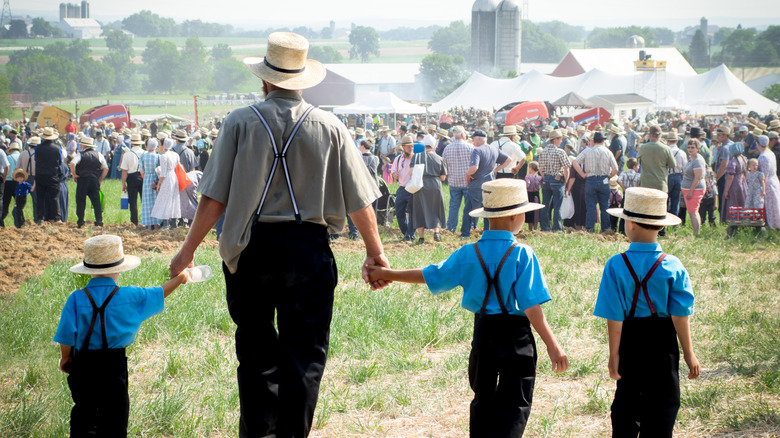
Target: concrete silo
[509,21]
[483,34]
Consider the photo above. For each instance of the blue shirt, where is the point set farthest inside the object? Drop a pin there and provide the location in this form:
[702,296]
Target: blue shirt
[486,157]
[669,287]
[521,281]
[22,189]
[124,314]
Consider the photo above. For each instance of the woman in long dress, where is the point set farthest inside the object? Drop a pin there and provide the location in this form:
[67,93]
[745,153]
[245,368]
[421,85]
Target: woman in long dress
[428,204]
[735,192]
[168,205]
[767,164]
[149,162]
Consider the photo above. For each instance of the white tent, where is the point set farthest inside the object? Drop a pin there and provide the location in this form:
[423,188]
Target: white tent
[380,103]
[151,117]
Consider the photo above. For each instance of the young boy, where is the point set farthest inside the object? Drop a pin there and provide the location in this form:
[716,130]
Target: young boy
[645,317]
[93,354]
[503,285]
[23,188]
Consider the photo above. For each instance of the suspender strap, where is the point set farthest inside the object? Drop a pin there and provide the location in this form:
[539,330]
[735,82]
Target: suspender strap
[493,280]
[95,311]
[642,285]
[283,156]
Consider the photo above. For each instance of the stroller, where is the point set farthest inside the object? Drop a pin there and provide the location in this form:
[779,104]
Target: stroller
[385,205]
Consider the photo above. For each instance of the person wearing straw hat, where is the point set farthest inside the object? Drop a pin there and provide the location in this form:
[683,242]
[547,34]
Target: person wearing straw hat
[9,185]
[720,164]
[599,166]
[89,169]
[674,180]
[94,356]
[618,145]
[285,174]
[402,172]
[485,162]
[645,320]
[554,168]
[386,144]
[48,157]
[187,157]
[507,143]
[503,285]
[457,157]
[132,179]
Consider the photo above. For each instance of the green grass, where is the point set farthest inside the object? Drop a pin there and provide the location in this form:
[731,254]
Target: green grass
[398,359]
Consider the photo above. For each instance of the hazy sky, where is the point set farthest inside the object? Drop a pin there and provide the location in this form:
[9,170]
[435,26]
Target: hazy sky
[675,14]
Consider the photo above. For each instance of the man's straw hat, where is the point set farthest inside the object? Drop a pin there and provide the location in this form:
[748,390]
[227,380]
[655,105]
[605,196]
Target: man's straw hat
[646,206]
[136,139]
[504,197]
[672,136]
[359,131]
[556,133]
[34,141]
[443,133]
[87,142]
[774,124]
[407,139]
[145,132]
[509,130]
[285,64]
[104,255]
[49,134]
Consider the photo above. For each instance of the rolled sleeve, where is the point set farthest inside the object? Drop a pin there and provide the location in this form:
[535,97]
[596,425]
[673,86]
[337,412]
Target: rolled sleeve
[66,331]
[219,170]
[151,301]
[681,297]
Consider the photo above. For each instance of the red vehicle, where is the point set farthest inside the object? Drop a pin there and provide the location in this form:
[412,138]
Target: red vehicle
[112,113]
[593,116]
[528,113]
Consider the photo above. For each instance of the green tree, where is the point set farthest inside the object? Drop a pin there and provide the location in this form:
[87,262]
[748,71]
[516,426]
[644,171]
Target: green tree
[770,37]
[148,24]
[93,78]
[442,71]
[738,47]
[617,36]
[364,41]
[194,71]
[772,92]
[325,54]
[5,98]
[537,46]
[454,39]
[120,42]
[17,30]
[563,31]
[698,50]
[161,60]
[663,36]
[229,74]
[221,51]
[721,35]
[41,28]
[45,77]
[75,50]
[124,72]
[203,29]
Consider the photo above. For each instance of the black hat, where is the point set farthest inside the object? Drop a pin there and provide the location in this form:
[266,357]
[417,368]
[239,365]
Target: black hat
[598,137]
[695,132]
[478,133]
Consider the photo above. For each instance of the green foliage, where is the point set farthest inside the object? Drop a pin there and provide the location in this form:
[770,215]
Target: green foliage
[364,41]
[772,92]
[203,29]
[221,51]
[93,78]
[746,48]
[148,24]
[193,69]
[617,36]
[538,46]
[442,71]
[563,31]
[454,39]
[5,100]
[161,59]
[771,36]
[409,33]
[120,42]
[698,50]
[721,35]
[229,74]
[124,70]
[45,77]
[325,54]
[44,29]
[17,30]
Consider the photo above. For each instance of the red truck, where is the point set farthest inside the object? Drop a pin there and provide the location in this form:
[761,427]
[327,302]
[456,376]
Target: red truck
[112,113]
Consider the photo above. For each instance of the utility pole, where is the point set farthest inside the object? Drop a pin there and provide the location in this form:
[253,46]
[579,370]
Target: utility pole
[6,14]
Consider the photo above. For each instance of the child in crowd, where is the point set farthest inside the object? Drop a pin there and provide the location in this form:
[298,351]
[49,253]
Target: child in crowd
[707,206]
[629,178]
[615,199]
[93,355]
[532,182]
[756,184]
[502,363]
[23,188]
[645,319]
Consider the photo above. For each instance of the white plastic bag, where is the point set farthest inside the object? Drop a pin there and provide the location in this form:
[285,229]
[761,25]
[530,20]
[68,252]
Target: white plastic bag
[567,207]
[416,181]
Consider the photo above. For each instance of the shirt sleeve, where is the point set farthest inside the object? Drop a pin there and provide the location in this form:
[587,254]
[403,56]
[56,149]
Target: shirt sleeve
[501,157]
[474,161]
[66,330]
[445,275]
[219,172]
[681,292]
[530,288]
[608,304]
[151,301]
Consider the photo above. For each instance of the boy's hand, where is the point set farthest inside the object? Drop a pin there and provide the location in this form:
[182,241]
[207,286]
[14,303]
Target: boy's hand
[613,363]
[65,364]
[376,273]
[560,362]
[693,366]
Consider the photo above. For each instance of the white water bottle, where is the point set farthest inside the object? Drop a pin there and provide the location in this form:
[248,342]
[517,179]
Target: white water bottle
[199,273]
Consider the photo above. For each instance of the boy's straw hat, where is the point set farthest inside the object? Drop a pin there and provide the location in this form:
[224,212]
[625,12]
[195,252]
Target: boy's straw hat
[504,197]
[34,141]
[646,206]
[104,255]
[19,172]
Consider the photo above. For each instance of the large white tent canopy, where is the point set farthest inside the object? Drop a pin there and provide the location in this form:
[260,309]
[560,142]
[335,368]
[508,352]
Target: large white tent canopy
[380,103]
[713,92]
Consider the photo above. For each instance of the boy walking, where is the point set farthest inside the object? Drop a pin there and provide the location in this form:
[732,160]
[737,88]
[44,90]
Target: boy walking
[94,355]
[646,316]
[21,190]
[503,285]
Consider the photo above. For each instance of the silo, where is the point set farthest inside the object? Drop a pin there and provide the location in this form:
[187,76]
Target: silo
[509,20]
[84,9]
[483,34]
[63,11]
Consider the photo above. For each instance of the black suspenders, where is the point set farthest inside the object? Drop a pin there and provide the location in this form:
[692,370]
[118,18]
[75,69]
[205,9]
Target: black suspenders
[102,312]
[283,156]
[493,280]
[642,285]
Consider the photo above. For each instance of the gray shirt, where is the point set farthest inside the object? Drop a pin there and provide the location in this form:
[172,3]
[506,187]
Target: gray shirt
[486,157]
[186,156]
[693,164]
[328,175]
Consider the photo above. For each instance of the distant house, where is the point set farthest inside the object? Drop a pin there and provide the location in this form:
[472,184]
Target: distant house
[623,106]
[619,61]
[84,28]
[348,83]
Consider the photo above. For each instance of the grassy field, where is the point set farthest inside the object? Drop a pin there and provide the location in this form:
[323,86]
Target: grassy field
[398,359]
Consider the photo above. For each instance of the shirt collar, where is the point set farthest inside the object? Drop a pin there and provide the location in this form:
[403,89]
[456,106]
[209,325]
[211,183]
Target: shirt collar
[497,235]
[284,94]
[101,281]
[645,247]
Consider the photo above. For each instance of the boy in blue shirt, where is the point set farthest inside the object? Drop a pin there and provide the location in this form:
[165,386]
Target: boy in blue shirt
[645,319]
[93,355]
[22,189]
[503,285]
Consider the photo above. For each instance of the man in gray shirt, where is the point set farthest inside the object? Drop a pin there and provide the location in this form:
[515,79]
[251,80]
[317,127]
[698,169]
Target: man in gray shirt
[186,156]
[482,168]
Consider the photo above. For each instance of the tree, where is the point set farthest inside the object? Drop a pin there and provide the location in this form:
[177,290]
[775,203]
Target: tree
[738,47]
[41,28]
[93,78]
[721,35]
[17,30]
[124,72]
[365,42]
[5,98]
[45,77]
[442,71]
[202,29]
[148,24]
[161,59]
[454,39]
[537,46]
[563,31]
[325,54]
[663,36]
[193,73]
[221,51]
[771,37]
[617,36]
[772,92]
[120,42]
[698,50]
[229,73]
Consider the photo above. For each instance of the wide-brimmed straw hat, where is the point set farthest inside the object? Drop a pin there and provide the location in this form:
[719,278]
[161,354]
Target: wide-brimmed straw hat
[49,134]
[672,136]
[359,131]
[136,139]
[442,133]
[285,64]
[555,133]
[504,197]
[407,139]
[180,135]
[34,141]
[87,142]
[774,124]
[757,131]
[15,146]
[615,129]
[104,255]
[146,132]
[509,130]
[19,172]
[646,206]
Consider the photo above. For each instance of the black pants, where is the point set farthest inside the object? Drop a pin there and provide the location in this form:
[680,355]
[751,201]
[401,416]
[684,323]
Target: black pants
[707,210]
[48,198]
[135,184]
[88,186]
[3,208]
[8,199]
[98,385]
[502,372]
[287,271]
[18,211]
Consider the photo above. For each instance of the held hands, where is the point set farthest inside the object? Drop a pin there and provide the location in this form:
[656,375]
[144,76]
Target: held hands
[369,272]
[693,366]
[180,262]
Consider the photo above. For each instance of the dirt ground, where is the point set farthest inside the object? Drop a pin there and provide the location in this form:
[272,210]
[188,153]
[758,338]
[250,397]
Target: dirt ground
[25,252]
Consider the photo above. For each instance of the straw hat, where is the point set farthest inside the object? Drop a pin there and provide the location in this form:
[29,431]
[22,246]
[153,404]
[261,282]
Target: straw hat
[136,139]
[214,132]
[34,141]
[761,126]
[285,64]
[393,133]
[146,132]
[548,128]
[509,130]
[407,139]
[104,255]
[359,131]
[203,130]
[432,128]
[49,134]
[774,124]
[19,172]
[442,133]
[672,136]
[613,185]
[615,129]
[756,132]
[646,206]
[555,133]
[162,135]
[180,135]
[504,197]
[15,146]
[87,142]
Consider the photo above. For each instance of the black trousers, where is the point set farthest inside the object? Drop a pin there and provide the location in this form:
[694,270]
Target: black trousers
[18,211]
[707,210]
[98,385]
[8,199]
[3,208]
[88,186]
[135,184]
[48,198]
[502,373]
[287,271]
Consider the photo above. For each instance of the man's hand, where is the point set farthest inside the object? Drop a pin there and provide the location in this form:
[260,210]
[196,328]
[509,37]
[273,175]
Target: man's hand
[378,260]
[124,187]
[181,261]
[65,364]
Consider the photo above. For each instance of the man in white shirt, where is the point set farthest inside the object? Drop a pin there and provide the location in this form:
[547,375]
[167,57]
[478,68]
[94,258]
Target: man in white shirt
[132,181]
[507,144]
